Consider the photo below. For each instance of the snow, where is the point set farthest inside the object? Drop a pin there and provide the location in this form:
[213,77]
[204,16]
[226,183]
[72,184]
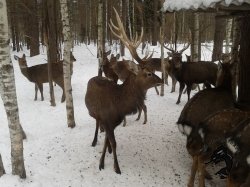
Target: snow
[172,5]
[55,155]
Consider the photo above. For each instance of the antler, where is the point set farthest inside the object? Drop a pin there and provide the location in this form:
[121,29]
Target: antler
[133,44]
[170,49]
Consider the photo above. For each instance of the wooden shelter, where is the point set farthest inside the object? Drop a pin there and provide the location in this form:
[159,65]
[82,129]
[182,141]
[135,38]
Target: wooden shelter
[240,11]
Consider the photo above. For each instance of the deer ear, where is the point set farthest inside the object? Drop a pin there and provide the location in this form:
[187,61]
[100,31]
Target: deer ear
[117,56]
[16,57]
[108,52]
[24,56]
[169,54]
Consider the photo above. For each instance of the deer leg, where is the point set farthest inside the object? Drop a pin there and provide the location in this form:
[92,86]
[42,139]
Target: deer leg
[189,87]
[182,85]
[201,172]
[174,81]
[139,114]
[193,171]
[61,84]
[36,89]
[101,164]
[96,133]
[124,122]
[111,137]
[144,108]
[40,86]
[156,89]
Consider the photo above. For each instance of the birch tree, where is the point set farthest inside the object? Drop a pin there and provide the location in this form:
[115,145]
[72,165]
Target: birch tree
[8,95]
[66,63]
[100,36]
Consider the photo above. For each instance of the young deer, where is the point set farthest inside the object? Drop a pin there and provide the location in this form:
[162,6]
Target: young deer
[109,103]
[190,73]
[200,106]
[38,74]
[107,66]
[205,138]
[238,142]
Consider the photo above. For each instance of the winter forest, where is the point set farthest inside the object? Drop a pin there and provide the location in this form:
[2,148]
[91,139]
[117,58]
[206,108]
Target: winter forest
[125,93]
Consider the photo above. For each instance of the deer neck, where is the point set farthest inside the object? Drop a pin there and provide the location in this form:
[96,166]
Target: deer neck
[133,95]
[24,70]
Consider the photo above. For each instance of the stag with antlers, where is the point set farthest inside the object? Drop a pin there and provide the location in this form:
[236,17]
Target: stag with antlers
[190,73]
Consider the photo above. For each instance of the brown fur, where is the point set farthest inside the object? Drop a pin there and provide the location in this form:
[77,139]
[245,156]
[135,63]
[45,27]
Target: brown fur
[240,172]
[109,103]
[38,74]
[203,104]
[190,73]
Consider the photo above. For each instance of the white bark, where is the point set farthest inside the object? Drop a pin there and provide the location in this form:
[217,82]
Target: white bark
[100,35]
[195,57]
[162,53]
[8,95]
[66,63]
[228,34]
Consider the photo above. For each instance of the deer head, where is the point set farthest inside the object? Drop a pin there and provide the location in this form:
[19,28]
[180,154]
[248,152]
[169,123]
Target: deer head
[176,55]
[22,61]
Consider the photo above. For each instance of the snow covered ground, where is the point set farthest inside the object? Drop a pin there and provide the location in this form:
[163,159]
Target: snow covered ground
[57,156]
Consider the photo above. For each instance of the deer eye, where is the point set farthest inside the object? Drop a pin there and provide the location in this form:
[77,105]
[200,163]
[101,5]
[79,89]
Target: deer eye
[149,74]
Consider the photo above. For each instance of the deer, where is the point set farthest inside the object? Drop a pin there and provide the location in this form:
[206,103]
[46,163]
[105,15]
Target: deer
[107,66]
[210,134]
[190,73]
[108,103]
[238,143]
[201,106]
[122,69]
[38,74]
[118,30]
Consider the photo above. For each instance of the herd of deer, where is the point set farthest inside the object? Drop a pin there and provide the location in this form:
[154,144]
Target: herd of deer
[210,119]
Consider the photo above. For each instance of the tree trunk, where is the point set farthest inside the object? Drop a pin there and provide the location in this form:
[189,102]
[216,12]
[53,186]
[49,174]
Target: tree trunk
[8,94]
[235,54]
[218,38]
[66,64]
[244,65]
[228,34]
[2,171]
[100,36]
[162,52]
[196,41]
[34,32]
[123,11]
[50,25]
[155,28]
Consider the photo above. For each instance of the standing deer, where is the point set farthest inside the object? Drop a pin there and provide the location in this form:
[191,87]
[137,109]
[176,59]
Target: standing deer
[38,74]
[109,103]
[190,73]
[201,105]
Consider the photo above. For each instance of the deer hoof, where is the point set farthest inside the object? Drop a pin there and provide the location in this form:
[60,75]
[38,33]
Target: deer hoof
[101,165]
[94,143]
[117,170]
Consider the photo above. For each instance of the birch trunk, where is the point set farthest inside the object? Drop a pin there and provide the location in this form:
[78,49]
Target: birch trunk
[100,36]
[66,64]
[228,35]
[162,52]
[195,57]
[8,94]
